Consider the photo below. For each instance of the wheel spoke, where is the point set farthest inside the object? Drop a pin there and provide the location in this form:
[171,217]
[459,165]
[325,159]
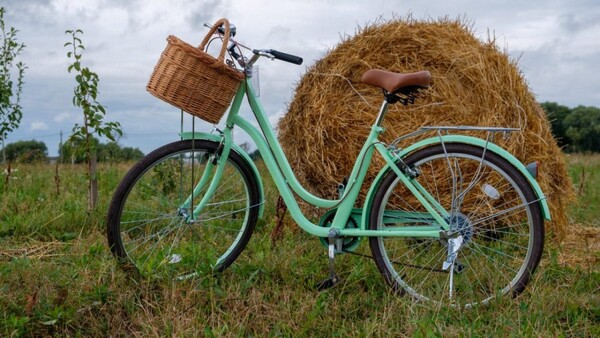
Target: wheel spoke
[490,204]
[149,227]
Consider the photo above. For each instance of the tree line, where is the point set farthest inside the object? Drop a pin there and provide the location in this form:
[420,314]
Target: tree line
[575,129]
[36,151]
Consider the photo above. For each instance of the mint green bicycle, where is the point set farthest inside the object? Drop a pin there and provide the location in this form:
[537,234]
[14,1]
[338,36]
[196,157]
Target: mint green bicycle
[451,219]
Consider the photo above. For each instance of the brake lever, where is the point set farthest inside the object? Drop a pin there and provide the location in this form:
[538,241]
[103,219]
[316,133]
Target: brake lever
[265,53]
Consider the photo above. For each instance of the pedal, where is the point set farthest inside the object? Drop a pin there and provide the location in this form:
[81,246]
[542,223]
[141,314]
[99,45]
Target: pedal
[458,267]
[327,283]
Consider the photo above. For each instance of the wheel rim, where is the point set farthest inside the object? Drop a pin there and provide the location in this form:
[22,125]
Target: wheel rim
[496,254]
[156,233]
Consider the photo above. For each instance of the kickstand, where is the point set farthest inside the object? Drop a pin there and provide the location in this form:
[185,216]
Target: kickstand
[333,279]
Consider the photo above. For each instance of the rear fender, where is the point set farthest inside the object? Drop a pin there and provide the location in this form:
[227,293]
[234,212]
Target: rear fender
[460,139]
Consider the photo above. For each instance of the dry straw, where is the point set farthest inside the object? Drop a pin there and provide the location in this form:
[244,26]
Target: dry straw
[474,84]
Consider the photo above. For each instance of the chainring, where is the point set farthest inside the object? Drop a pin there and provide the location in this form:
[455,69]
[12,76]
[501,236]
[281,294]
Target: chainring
[348,243]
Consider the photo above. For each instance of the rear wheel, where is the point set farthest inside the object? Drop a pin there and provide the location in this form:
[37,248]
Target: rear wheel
[150,227]
[491,207]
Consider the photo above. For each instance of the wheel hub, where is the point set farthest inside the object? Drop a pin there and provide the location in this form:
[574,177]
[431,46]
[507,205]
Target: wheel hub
[460,224]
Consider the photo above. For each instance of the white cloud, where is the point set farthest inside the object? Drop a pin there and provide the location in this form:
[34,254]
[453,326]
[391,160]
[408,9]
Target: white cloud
[38,125]
[64,116]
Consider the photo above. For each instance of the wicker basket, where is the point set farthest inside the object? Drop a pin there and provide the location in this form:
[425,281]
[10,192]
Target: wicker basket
[190,79]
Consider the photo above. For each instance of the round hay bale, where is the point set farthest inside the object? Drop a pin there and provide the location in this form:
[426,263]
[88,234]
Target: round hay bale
[474,84]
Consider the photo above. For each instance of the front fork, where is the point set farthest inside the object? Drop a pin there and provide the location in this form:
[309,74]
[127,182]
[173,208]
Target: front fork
[211,176]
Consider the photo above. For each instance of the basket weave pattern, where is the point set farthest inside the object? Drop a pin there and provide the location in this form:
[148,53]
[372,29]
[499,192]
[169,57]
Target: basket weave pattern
[193,80]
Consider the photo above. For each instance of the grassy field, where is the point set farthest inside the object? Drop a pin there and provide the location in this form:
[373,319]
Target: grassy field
[57,277]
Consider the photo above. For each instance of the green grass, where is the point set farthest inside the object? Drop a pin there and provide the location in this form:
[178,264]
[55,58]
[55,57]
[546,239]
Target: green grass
[585,173]
[57,277]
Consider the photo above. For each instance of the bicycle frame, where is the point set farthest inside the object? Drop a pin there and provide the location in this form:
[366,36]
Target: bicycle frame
[287,183]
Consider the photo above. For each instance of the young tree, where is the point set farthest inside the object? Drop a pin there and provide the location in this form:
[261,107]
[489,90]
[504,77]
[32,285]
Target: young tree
[10,95]
[71,151]
[86,98]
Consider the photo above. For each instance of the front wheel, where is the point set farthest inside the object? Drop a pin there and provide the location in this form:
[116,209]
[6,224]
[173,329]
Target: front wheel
[150,224]
[495,222]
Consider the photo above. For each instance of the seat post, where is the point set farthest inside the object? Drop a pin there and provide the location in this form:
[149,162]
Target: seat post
[381,115]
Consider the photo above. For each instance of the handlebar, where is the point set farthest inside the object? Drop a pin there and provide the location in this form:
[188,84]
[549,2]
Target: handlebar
[280,56]
[270,53]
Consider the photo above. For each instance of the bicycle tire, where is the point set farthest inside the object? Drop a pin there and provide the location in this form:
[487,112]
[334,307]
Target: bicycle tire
[152,236]
[491,207]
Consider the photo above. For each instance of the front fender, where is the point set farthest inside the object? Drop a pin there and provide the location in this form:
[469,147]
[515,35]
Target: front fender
[468,140]
[217,138]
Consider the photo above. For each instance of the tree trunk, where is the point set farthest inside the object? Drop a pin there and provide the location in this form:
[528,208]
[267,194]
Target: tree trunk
[57,179]
[93,183]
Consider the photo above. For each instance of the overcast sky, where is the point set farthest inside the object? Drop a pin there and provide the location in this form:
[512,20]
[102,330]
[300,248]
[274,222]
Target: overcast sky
[555,41]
